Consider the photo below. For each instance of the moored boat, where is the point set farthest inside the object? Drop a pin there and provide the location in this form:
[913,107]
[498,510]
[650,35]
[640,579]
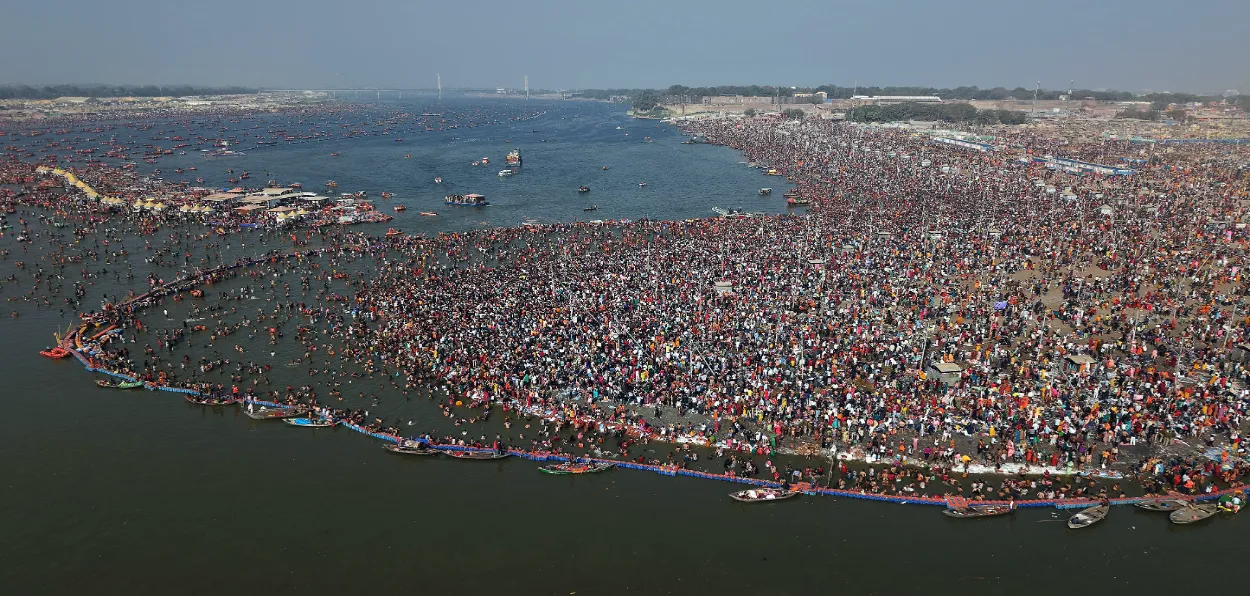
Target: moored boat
[1160,504]
[310,422]
[211,400]
[1089,516]
[578,467]
[484,454]
[1193,513]
[972,511]
[119,384]
[469,200]
[412,448]
[762,495]
[54,353]
[274,413]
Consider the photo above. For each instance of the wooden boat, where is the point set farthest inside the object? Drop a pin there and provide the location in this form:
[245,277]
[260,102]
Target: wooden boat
[591,208]
[1161,504]
[274,413]
[972,511]
[1089,516]
[310,422]
[480,455]
[762,495]
[119,384]
[578,467]
[766,191]
[428,214]
[54,353]
[400,208]
[1193,513]
[413,449]
[211,400]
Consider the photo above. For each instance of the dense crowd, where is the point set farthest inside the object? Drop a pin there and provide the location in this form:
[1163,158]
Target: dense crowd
[936,310]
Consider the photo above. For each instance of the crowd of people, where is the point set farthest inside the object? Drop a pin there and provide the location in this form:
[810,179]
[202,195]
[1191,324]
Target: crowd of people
[936,310]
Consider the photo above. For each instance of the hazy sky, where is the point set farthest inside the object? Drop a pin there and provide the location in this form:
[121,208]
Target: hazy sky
[1197,45]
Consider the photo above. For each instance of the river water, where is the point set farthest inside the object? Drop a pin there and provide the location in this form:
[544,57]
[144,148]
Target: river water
[110,492]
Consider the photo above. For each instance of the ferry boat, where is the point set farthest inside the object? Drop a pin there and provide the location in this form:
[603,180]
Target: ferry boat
[504,173]
[514,158]
[469,200]
[485,160]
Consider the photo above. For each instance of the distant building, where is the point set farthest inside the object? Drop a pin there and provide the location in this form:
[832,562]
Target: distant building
[899,98]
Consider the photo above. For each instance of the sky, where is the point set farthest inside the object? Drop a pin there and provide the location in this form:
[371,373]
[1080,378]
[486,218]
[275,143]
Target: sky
[1138,45]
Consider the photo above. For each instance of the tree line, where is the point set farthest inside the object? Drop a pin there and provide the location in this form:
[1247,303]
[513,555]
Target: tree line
[945,112]
[55,91]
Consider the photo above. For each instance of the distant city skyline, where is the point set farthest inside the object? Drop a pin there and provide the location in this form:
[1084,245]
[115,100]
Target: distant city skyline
[1147,45]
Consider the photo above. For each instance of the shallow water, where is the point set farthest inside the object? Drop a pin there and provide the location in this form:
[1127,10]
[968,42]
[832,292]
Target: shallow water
[137,492]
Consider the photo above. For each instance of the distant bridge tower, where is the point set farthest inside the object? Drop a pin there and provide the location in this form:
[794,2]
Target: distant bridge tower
[440,85]
[527,86]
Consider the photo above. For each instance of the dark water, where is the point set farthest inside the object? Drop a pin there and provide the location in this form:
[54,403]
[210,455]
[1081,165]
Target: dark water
[137,492]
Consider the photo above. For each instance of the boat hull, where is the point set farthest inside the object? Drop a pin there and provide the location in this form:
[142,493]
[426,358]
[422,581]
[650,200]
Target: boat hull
[1088,517]
[762,495]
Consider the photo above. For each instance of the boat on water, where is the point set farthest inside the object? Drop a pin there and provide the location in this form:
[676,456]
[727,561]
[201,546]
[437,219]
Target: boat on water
[972,511]
[766,191]
[211,400]
[642,184]
[428,214]
[310,422]
[505,173]
[762,495]
[484,454]
[529,221]
[275,413]
[583,189]
[485,161]
[54,353]
[438,180]
[513,158]
[591,208]
[119,384]
[400,208]
[1161,504]
[1088,517]
[1193,513]
[578,467]
[412,448]
[604,168]
[798,201]
[469,200]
